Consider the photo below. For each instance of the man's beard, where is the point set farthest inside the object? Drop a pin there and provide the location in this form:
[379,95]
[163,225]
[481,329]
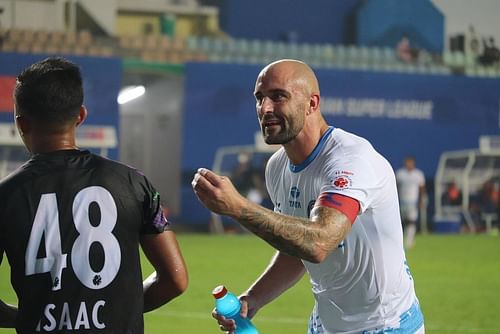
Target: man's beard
[287,133]
[281,138]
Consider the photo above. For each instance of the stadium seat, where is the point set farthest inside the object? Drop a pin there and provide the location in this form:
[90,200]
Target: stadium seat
[218,45]
[28,36]
[23,47]
[375,55]
[178,44]
[438,69]
[70,38]
[255,47]
[328,52]
[37,48]
[454,59]
[192,43]
[293,51]
[85,37]
[389,56]
[242,46]
[340,53]
[42,36]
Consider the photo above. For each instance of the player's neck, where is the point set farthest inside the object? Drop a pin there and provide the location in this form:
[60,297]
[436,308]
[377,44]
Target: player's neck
[299,149]
[53,142]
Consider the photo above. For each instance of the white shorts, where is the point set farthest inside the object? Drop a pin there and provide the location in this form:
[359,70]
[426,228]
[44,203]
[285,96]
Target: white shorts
[409,212]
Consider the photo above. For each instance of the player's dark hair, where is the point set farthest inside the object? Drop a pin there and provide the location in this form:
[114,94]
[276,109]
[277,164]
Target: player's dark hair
[50,91]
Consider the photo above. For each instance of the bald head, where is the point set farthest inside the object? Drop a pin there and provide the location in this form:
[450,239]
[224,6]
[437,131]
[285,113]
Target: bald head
[291,71]
[287,102]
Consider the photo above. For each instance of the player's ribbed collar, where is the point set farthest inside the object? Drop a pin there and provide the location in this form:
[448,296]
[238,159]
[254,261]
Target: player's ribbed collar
[313,155]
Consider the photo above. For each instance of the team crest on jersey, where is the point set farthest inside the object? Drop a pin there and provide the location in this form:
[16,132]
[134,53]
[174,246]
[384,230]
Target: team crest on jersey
[341,182]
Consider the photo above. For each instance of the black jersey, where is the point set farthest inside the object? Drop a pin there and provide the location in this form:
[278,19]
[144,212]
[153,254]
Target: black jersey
[70,223]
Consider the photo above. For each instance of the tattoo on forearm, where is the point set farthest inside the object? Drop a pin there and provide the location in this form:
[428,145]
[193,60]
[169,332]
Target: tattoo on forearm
[297,236]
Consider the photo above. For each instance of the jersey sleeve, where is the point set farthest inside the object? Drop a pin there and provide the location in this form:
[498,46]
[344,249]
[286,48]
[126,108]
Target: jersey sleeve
[345,204]
[154,220]
[154,217]
[352,177]
[270,181]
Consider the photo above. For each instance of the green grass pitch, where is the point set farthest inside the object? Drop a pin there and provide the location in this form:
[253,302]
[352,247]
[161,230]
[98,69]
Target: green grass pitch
[457,280]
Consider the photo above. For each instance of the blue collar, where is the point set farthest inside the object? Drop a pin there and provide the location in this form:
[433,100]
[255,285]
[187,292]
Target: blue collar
[313,155]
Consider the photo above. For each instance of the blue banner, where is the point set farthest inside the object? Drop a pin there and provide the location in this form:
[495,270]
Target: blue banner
[401,114]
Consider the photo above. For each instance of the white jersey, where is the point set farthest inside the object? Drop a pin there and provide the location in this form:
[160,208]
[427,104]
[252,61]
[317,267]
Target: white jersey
[409,183]
[364,286]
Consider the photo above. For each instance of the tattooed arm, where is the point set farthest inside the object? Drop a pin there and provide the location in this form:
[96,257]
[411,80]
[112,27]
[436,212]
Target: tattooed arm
[310,240]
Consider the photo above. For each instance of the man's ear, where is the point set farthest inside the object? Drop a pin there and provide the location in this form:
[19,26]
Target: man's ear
[313,103]
[82,115]
[23,125]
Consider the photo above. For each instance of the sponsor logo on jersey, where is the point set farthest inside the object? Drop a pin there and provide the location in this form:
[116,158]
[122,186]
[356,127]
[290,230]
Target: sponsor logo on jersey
[294,194]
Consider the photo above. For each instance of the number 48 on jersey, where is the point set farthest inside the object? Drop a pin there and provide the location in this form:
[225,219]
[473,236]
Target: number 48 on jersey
[46,224]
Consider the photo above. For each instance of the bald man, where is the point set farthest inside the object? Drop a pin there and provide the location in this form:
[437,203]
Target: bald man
[336,215]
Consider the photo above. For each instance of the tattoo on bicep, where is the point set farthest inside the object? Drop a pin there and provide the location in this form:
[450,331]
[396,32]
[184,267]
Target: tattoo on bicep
[336,226]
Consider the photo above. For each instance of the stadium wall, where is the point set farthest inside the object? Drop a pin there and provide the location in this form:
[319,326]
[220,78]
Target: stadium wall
[101,76]
[401,114]
[372,23]
[325,21]
[384,22]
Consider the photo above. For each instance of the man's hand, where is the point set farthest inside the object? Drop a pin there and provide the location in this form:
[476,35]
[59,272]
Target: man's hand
[228,325]
[217,193]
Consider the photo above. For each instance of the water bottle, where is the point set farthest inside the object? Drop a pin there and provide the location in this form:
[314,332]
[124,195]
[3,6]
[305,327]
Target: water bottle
[228,305]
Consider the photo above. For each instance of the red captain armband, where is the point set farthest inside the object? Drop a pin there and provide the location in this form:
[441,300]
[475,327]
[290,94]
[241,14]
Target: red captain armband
[345,204]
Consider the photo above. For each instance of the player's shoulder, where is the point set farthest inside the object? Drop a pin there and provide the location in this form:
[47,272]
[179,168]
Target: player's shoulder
[401,171]
[118,175]
[16,178]
[349,142]
[277,158]
[421,174]
[276,162]
[117,167]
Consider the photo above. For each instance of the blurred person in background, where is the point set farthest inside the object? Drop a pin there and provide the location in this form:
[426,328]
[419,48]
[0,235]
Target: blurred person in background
[473,44]
[411,191]
[406,53]
[452,196]
[71,222]
[249,179]
[491,53]
[336,215]
[488,196]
